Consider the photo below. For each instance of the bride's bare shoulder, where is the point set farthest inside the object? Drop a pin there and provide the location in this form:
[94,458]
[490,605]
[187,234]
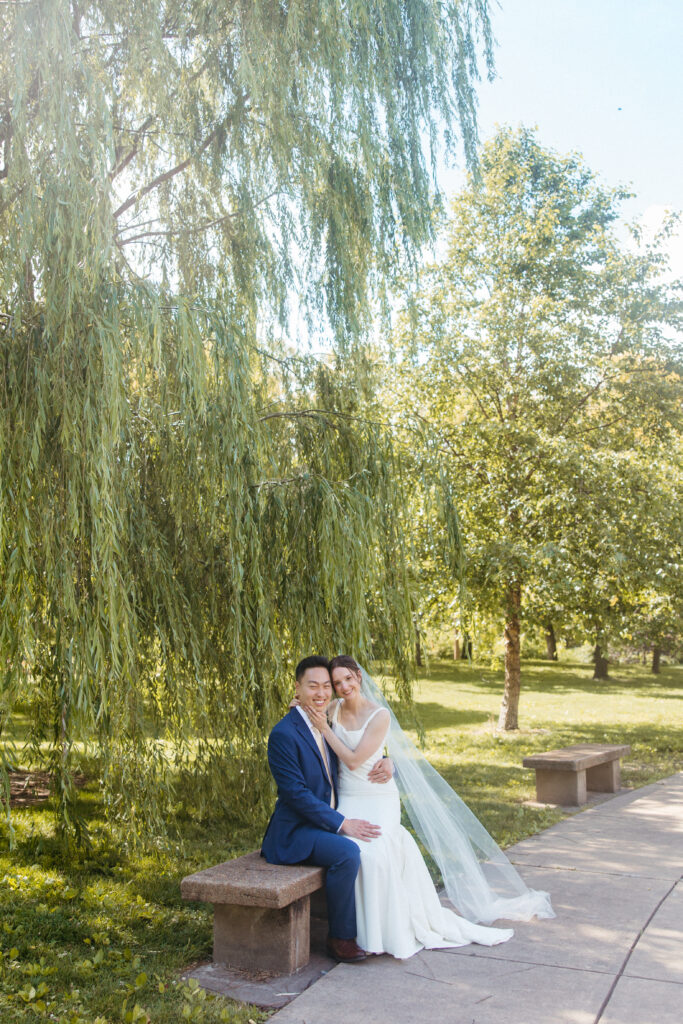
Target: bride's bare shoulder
[376,711]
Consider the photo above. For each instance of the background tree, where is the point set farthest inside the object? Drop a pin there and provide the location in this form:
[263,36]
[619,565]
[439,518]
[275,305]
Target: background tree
[659,623]
[535,345]
[184,507]
[614,552]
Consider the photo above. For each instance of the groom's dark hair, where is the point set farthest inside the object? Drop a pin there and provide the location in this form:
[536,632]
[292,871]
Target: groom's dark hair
[312,661]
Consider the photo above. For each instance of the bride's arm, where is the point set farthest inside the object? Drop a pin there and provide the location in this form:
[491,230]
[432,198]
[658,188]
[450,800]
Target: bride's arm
[371,740]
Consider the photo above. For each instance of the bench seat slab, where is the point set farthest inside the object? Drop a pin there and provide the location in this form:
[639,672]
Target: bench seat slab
[264,939]
[251,881]
[580,757]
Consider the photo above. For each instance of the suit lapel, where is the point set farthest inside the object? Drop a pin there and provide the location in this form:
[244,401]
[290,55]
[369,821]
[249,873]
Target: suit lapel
[304,731]
[307,735]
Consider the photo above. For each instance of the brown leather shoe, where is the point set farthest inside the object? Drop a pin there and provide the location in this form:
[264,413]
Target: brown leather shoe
[346,951]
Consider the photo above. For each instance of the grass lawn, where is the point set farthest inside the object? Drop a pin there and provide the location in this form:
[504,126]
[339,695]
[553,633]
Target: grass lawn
[560,705]
[102,936]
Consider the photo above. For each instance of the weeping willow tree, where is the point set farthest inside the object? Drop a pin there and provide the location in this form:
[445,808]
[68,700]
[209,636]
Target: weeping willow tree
[185,505]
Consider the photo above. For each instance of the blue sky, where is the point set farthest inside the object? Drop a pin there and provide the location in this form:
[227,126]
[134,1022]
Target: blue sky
[603,77]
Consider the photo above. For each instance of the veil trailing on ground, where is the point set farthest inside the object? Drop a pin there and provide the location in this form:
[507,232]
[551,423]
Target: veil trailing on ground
[480,881]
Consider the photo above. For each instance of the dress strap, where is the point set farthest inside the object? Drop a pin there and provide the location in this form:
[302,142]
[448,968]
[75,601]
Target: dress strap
[371,716]
[335,713]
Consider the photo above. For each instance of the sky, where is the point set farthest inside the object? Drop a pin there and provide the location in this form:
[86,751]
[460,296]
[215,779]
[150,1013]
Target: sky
[601,77]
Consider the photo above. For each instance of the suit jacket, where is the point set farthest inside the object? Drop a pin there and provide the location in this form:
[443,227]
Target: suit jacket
[303,807]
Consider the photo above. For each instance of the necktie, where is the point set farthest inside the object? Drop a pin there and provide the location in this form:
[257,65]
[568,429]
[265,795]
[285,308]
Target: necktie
[321,747]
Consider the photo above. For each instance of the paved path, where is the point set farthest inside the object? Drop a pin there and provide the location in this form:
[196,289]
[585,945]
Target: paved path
[613,955]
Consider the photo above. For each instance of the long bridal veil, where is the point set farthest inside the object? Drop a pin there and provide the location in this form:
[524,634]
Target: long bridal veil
[480,881]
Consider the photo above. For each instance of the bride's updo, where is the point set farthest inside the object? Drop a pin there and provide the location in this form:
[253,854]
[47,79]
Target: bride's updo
[344,661]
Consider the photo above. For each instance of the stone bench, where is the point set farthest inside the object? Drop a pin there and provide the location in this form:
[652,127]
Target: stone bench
[564,776]
[261,912]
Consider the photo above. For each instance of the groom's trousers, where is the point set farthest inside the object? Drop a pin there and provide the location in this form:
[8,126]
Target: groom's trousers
[341,857]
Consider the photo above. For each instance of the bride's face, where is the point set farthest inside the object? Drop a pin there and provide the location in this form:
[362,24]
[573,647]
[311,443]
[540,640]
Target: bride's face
[346,683]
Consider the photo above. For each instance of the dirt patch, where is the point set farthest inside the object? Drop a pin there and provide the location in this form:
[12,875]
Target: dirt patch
[32,787]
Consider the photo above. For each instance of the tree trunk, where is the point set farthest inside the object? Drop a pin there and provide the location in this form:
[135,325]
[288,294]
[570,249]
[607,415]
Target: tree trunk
[550,643]
[418,647]
[600,662]
[656,656]
[507,719]
[456,647]
[466,650]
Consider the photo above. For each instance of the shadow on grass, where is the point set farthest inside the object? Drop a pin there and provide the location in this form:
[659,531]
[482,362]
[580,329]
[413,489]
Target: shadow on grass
[552,677]
[436,716]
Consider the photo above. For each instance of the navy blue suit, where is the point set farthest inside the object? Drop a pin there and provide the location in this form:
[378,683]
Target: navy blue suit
[303,826]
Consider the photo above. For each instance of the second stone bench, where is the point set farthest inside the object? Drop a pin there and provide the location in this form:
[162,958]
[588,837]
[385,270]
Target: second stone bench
[565,776]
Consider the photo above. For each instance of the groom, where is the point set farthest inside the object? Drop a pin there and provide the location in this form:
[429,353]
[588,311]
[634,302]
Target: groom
[305,827]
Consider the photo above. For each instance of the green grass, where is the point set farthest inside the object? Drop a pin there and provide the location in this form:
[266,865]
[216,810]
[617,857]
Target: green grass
[560,705]
[90,936]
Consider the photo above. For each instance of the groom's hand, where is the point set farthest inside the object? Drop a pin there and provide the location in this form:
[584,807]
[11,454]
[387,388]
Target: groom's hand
[356,828]
[381,771]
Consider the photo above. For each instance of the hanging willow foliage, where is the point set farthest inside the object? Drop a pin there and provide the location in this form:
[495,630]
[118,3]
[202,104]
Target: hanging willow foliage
[183,512]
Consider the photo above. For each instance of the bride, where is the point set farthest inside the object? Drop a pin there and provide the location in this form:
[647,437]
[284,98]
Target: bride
[397,908]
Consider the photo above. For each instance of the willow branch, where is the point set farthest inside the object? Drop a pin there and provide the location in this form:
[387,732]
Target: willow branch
[166,176]
[312,413]
[133,151]
[174,232]
[300,479]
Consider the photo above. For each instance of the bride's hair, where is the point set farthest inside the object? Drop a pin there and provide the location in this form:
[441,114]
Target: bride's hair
[344,661]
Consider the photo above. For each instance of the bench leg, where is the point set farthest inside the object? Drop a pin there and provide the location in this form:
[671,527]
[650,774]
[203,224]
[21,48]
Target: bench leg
[566,788]
[262,939]
[605,778]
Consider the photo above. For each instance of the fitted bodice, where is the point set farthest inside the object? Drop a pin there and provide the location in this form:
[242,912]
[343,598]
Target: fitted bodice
[356,777]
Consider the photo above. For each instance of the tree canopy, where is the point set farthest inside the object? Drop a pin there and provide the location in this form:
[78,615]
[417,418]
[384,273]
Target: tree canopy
[540,353]
[185,505]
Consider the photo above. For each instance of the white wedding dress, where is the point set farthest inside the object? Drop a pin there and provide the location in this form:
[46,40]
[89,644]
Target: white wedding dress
[397,907]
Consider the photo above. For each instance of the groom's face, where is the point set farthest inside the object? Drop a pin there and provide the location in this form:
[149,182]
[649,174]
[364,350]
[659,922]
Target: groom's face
[315,688]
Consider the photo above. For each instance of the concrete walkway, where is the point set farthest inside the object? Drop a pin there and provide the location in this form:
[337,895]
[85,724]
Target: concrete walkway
[613,955]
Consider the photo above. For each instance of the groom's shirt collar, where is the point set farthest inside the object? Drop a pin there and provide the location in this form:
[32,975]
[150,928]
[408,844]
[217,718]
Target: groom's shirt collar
[305,718]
